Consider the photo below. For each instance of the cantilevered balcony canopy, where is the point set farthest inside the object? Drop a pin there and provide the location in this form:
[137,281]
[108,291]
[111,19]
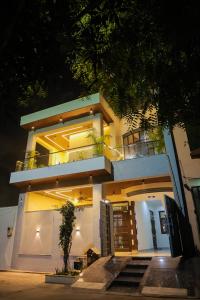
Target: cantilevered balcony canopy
[96,166]
[70,110]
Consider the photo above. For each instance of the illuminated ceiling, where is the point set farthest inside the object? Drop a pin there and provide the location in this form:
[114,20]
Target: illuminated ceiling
[80,195]
[60,138]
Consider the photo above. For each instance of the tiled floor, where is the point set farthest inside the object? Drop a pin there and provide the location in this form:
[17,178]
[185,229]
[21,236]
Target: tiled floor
[174,273]
[151,252]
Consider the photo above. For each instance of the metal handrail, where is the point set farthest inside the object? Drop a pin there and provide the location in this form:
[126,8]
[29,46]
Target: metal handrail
[117,153]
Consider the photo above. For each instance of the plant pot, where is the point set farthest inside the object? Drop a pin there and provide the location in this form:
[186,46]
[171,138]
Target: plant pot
[62,279]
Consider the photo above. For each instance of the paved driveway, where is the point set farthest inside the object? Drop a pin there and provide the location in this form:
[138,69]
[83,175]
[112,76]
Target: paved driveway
[28,286]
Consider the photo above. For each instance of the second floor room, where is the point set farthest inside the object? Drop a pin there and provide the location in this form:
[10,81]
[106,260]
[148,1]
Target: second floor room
[82,129]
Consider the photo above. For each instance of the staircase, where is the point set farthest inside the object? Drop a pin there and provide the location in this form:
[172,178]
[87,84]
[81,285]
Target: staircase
[128,280]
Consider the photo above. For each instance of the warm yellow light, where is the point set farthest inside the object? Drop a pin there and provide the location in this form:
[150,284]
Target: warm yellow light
[47,136]
[79,132]
[75,201]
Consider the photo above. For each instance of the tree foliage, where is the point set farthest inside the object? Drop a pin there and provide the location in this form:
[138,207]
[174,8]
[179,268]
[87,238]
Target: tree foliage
[33,72]
[66,228]
[141,55]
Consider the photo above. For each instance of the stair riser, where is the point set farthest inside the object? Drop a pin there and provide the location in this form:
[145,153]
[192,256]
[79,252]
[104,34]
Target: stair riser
[122,283]
[137,267]
[141,258]
[130,274]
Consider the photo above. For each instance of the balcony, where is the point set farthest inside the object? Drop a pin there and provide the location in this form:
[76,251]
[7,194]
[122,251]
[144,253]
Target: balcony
[72,163]
[140,160]
[92,159]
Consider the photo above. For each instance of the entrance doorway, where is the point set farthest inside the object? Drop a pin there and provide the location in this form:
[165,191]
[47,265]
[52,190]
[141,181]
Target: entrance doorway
[125,234]
[139,228]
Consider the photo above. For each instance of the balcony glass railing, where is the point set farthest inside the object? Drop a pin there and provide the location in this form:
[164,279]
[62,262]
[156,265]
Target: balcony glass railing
[139,149]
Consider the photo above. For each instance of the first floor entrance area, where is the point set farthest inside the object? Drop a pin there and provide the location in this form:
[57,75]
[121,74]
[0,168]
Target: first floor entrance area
[140,225]
[140,228]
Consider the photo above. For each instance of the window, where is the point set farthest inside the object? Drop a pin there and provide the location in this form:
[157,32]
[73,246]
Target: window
[132,143]
[163,222]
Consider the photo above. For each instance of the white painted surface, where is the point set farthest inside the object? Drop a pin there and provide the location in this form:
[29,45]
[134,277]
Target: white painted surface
[141,167]
[144,234]
[162,239]
[77,167]
[83,239]
[7,219]
[36,234]
[40,251]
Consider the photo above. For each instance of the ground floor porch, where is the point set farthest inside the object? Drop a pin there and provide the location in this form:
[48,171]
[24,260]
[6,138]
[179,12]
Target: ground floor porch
[117,218]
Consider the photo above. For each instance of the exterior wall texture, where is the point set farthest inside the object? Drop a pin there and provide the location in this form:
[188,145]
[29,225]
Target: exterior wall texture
[7,219]
[37,236]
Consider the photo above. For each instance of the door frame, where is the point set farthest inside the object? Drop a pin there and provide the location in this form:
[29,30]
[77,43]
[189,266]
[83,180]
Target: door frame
[133,242]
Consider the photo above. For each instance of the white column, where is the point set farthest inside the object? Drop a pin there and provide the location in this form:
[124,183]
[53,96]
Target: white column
[31,141]
[97,197]
[98,124]
[18,229]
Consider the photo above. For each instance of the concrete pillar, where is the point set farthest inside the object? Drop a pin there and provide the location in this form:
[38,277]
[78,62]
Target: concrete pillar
[98,124]
[31,142]
[97,197]
[18,229]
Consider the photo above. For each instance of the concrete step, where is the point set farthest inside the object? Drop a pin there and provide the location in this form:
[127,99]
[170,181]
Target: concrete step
[137,265]
[133,272]
[127,280]
[141,257]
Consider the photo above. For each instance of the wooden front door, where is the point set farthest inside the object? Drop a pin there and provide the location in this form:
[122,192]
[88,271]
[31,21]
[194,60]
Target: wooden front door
[125,235]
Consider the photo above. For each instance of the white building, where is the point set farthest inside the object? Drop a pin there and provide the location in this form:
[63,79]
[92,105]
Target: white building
[121,182]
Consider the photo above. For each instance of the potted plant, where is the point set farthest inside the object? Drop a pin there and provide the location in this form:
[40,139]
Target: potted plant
[66,275]
[98,142]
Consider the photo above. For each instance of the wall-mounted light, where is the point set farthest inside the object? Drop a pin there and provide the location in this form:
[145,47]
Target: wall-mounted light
[37,231]
[91,111]
[61,120]
[77,229]
[57,181]
[29,187]
[32,128]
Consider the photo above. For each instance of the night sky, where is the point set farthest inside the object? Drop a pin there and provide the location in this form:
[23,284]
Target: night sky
[29,51]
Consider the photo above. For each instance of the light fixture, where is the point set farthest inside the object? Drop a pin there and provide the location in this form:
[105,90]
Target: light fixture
[60,120]
[37,231]
[47,136]
[77,229]
[32,128]
[75,200]
[57,181]
[29,187]
[91,111]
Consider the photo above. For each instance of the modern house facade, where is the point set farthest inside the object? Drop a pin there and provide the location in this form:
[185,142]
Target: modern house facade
[124,183]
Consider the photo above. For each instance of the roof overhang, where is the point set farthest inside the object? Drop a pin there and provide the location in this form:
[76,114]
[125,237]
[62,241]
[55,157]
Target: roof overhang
[67,111]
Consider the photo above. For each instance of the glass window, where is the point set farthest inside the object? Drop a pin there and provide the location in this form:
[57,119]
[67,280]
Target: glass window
[130,139]
[136,137]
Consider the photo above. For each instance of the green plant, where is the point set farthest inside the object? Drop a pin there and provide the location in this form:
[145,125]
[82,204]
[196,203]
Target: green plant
[66,228]
[81,155]
[62,272]
[156,135]
[31,161]
[98,141]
